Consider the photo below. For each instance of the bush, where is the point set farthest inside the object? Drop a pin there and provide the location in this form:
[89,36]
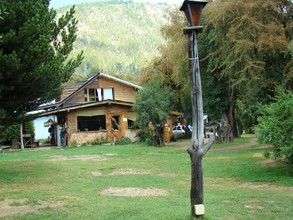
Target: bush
[275,127]
[123,141]
[99,140]
[145,135]
[13,131]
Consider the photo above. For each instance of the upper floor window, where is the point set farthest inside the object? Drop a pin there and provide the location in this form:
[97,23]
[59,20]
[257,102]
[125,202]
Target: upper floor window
[92,95]
[107,93]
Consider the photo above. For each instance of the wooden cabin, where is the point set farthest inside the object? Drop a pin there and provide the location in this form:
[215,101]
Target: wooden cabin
[100,107]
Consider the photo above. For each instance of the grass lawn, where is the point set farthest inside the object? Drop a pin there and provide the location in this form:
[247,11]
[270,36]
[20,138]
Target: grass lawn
[142,182]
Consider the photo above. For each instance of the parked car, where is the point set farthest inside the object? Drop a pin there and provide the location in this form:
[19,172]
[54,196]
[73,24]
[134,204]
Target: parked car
[178,130]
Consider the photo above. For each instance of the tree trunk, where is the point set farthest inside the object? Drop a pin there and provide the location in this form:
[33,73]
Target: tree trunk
[159,139]
[21,136]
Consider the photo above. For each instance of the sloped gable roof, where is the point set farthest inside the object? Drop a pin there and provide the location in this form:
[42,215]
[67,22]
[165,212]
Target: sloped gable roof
[91,79]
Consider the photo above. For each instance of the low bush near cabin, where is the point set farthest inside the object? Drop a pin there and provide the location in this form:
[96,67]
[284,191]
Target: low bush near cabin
[123,141]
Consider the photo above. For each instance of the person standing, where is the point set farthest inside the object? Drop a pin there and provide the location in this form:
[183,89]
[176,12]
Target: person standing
[63,133]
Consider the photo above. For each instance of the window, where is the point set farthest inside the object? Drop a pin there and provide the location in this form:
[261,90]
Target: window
[131,124]
[91,123]
[116,122]
[90,95]
[108,93]
[99,94]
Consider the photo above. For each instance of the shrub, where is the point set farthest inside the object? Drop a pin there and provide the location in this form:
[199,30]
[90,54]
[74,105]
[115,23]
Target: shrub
[73,143]
[123,141]
[275,127]
[13,131]
[145,135]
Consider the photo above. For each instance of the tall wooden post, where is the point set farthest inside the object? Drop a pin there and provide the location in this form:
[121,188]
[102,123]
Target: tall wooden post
[193,12]
[195,151]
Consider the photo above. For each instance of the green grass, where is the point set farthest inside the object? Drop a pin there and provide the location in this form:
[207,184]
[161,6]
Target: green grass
[237,183]
[244,140]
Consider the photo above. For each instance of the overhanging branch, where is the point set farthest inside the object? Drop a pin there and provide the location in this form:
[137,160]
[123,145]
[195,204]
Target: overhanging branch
[209,144]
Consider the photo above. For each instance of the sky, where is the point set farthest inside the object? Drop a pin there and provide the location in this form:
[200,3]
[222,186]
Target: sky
[59,3]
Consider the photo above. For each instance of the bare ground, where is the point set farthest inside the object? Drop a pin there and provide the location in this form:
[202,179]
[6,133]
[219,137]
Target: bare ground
[250,145]
[131,171]
[134,192]
[10,207]
[81,157]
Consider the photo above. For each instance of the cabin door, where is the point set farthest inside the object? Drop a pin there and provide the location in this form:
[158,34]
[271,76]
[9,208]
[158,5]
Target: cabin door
[116,127]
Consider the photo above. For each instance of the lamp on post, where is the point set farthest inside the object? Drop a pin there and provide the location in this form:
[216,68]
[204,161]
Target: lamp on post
[193,11]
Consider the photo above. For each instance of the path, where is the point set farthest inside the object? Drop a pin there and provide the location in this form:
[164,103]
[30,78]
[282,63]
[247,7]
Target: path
[249,146]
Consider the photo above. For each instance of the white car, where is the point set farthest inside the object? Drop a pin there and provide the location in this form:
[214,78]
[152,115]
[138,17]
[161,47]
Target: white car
[178,130]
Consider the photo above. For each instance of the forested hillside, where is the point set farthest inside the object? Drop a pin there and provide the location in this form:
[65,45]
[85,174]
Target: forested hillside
[117,37]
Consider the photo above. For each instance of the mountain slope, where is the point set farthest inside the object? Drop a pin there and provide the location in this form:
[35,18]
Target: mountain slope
[117,37]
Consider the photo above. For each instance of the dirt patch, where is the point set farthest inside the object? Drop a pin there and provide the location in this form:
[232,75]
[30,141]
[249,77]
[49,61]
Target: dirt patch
[10,207]
[128,172]
[254,207]
[258,155]
[226,201]
[270,163]
[96,173]
[237,148]
[134,192]
[217,182]
[110,154]
[251,185]
[79,157]
[221,158]
[167,174]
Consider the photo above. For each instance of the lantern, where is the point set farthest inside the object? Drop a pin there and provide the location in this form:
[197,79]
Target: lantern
[193,11]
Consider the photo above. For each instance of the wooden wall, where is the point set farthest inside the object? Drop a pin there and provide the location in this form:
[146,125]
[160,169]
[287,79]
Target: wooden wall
[122,92]
[108,111]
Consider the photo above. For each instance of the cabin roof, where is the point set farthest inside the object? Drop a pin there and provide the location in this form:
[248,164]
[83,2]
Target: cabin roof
[85,105]
[71,89]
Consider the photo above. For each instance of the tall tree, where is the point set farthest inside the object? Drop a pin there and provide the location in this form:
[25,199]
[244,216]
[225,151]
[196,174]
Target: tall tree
[247,50]
[34,50]
[153,108]
[171,65]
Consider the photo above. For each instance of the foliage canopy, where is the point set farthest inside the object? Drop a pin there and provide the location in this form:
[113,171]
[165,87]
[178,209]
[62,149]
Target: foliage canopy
[34,50]
[244,53]
[275,127]
[245,46]
[153,108]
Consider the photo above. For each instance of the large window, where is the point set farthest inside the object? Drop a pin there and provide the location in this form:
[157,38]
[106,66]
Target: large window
[91,123]
[99,94]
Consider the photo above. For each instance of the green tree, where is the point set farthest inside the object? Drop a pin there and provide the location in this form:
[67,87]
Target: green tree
[34,50]
[153,108]
[275,127]
[171,65]
[246,49]
[12,131]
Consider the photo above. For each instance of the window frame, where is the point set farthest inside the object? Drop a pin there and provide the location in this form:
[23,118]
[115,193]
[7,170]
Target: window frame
[88,97]
[91,123]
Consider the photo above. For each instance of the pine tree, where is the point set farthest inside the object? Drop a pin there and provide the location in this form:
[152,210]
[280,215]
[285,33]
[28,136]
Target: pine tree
[34,50]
